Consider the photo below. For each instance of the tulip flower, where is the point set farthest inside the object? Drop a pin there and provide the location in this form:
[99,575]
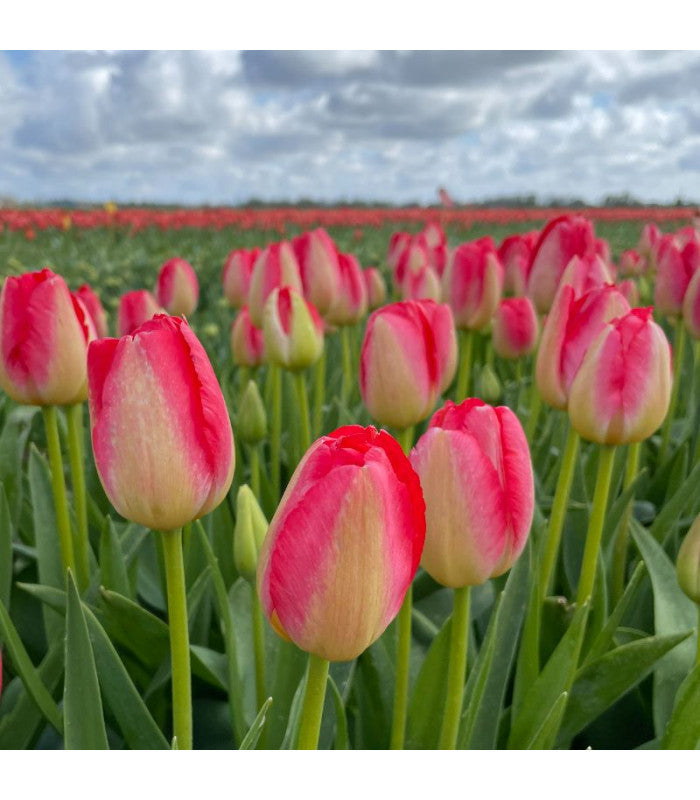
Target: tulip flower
[398,242]
[648,242]
[135,308]
[561,240]
[247,341]
[237,272]
[514,253]
[476,474]
[586,273]
[472,283]
[276,266]
[602,250]
[422,283]
[376,287]
[94,308]
[177,289]
[675,267]
[414,257]
[632,263]
[691,306]
[630,291]
[293,330]
[688,564]
[438,257]
[341,552]
[163,448]
[409,356]
[434,235]
[515,328]
[318,267]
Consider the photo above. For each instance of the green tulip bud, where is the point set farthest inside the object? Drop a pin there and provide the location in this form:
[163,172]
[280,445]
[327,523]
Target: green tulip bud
[489,385]
[688,563]
[251,423]
[248,535]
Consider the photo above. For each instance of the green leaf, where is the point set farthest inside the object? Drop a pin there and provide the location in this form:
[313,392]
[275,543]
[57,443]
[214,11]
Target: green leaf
[687,494]
[373,689]
[27,672]
[84,725]
[683,732]
[136,629]
[603,681]
[288,673]
[5,550]
[556,678]
[546,736]
[291,732]
[342,741]
[617,509]
[673,613]
[113,568]
[528,661]
[250,740]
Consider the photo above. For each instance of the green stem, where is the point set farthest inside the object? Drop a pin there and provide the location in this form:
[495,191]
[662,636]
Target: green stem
[459,641]
[314,696]
[535,405]
[405,439]
[255,470]
[619,564]
[347,363]
[697,654]
[179,638]
[58,484]
[595,524]
[319,393]
[258,649]
[403,658]
[76,456]
[558,512]
[275,428]
[679,343]
[466,349]
[305,430]
[518,382]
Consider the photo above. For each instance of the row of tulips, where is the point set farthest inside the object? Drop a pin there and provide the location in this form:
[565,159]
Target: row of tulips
[363,508]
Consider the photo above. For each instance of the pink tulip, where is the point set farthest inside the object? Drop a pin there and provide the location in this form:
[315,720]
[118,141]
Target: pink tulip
[161,434]
[94,308]
[630,291]
[376,287]
[434,235]
[238,270]
[44,335]
[632,263]
[584,273]
[318,266]
[675,266]
[472,283]
[621,392]
[476,474]
[691,306]
[414,257]
[398,242]
[421,284]
[515,328]
[293,330]
[276,266]
[135,308]
[438,257]
[350,304]
[408,358]
[649,240]
[344,544]
[247,341]
[602,250]
[567,334]
[561,240]
[514,253]
[177,289]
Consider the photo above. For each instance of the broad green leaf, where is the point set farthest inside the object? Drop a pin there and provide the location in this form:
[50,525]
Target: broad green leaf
[683,732]
[113,568]
[685,498]
[196,595]
[603,681]
[141,632]
[546,736]
[617,509]
[528,660]
[291,732]
[5,550]
[673,613]
[250,740]
[342,741]
[84,725]
[373,689]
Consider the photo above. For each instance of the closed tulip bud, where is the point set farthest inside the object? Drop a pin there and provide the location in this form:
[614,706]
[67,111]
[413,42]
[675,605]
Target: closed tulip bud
[318,266]
[621,392]
[94,308]
[408,358]
[344,544]
[688,562]
[632,263]
[585,273]
[351,303]
[248,534]
[434,235]
[135,308]
[293,330]
[472,284]
[476,474]
[161,434]
[514,253]
[421,284]
[490,387]
[397,243]
[376,287]
[177,289]
[630,291]
[438,257]
[691,306]
[675,266]
[414,257]
[247,341]
[569,329]
[251,420]
[602,250]
[238,270]
[515,328]
[561,240]
[44,336]
[649,240]
[276,267]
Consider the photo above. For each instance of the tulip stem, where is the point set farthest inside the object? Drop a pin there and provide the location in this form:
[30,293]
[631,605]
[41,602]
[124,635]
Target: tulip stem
[459,642]
[405,438]
[259,649]
[466,348]
[595,523]
[518,382]
[255,470]
[58,484]
[534,411]
[179,638]
[305,431]
[76,455]
[403,657]
[319,393]
[347,363]
[558,512]
[314,696]
[275,428]
[619,565]
[679,343]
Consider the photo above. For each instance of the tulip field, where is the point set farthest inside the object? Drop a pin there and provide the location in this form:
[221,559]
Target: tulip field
[349,478]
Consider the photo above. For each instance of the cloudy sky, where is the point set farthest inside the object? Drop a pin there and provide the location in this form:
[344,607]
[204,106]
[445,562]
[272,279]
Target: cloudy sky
[222,127]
